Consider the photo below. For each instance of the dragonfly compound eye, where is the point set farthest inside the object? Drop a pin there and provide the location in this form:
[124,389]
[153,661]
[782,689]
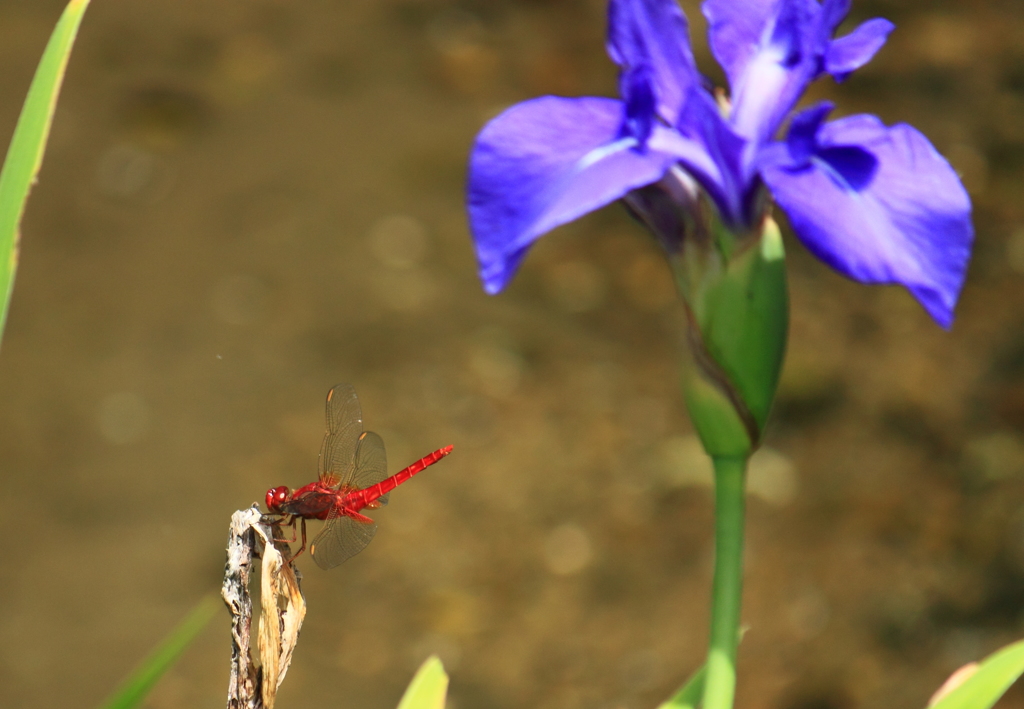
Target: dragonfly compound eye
[276,496]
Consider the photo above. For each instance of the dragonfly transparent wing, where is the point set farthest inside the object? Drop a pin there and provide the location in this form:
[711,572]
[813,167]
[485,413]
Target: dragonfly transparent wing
[341,539]
[371,463]
[344,424]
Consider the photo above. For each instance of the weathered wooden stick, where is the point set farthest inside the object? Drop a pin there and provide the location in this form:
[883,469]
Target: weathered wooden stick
[252,685]
[245,680]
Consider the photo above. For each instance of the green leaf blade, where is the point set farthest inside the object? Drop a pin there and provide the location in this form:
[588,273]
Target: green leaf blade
[25,154]
[135,688]
[428,688]
[689,696]
[984,688]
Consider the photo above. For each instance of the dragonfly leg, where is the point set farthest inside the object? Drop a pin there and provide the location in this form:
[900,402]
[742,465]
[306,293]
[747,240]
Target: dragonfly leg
[280,522]
[294,534]
[302,548]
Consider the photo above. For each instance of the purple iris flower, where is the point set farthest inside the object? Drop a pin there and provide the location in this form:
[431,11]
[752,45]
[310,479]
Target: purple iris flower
[877,203]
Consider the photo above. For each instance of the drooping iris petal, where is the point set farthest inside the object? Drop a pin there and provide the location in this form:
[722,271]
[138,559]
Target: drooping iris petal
[880,205]
[652,36]
[802,140]
[543,163]
[850,52]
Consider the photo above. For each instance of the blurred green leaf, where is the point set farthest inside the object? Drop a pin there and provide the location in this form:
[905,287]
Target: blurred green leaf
[991,680]
[428,688]
[134,689]
[689,696]
[25,154]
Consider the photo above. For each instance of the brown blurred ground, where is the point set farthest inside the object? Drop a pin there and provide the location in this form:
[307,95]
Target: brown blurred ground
[245,202]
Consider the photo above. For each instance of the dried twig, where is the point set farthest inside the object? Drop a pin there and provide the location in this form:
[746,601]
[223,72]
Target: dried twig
[282,609]
[245,677]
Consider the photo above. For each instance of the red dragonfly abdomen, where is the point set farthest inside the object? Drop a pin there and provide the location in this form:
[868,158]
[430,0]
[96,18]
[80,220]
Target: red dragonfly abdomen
[358,499]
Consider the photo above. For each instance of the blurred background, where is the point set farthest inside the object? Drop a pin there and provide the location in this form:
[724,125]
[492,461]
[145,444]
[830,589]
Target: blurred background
[247,201]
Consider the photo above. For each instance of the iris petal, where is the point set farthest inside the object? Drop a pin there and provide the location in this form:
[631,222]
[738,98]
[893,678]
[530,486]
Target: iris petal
[803,132]
[543,163]
[784,60]
[653,36]
[717,155]
[849,53]
[735,30]
[772,49]
[880,205]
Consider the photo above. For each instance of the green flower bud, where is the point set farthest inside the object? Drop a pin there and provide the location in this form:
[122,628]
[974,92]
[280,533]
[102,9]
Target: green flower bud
[733,287]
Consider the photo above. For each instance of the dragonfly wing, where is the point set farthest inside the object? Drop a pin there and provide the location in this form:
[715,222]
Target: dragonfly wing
[371,463]
[344,424]
[341,539]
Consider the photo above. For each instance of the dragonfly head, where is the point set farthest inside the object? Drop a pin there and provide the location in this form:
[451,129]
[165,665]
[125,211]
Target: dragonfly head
[277,496]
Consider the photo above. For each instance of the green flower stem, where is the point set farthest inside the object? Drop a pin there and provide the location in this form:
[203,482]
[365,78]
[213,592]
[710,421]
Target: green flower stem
[720,683]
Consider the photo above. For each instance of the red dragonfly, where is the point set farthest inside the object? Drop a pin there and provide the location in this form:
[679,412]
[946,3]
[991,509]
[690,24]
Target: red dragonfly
[353,476]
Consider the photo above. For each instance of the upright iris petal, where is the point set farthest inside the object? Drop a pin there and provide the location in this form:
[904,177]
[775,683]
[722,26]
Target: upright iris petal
[640,103]
[772,49]
[847,54]
[775,72]
[735,31]
[652,35]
